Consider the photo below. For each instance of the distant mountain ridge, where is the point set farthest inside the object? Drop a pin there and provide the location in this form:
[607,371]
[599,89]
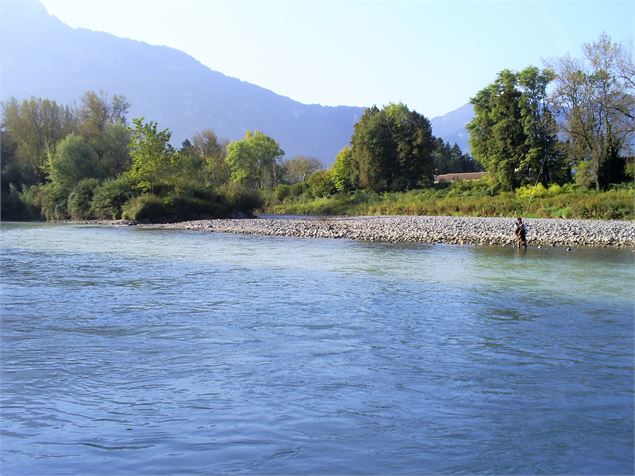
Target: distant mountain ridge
[451,126]
[43,57]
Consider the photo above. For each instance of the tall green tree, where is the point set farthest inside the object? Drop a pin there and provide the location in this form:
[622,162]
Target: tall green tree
[596,97]
[543,160]
[151,155]
[34,127]
[393,148]
[97,111]
[451,159]
[74,160]
[253,160]
[513,133]
[102,123]
[211,150]
[345,171]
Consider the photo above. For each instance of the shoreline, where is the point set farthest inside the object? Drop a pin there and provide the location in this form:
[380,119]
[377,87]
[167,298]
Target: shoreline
[479,231]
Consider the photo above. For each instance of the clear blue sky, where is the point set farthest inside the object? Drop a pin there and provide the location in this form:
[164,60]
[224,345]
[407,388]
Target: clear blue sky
[432,55]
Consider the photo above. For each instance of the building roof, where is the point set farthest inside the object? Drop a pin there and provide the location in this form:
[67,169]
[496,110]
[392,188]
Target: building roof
[459,176]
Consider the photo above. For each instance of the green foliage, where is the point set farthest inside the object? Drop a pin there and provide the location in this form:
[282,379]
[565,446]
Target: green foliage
[97,112]
[209,152]
[109,198]
[393,148]
[473,200]
[49,199]
[242,200]
[253,160]
[73,161]
[193,203]
[514,133]
[79,201]
[33,128]
[345,171]
[285,191]
[451,159]
[112,149]
[151,155]
[321,184]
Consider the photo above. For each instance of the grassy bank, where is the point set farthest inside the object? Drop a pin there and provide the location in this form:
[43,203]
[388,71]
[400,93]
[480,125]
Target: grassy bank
[474,199]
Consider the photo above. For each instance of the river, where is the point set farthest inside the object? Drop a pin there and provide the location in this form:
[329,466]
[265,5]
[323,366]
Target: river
[128,351]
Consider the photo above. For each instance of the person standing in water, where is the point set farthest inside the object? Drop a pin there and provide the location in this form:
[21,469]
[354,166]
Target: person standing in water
[521,233]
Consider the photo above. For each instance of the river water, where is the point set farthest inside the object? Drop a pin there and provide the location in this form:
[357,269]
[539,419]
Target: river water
[128,351]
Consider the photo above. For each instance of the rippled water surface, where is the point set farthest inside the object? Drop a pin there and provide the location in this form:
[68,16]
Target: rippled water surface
[126,351]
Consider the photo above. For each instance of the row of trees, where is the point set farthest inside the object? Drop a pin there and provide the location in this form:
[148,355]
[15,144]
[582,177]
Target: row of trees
[575,119]
[392,149]
[88,162]
[577,116]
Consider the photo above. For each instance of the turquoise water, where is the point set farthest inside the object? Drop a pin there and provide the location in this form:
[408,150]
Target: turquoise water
[128,351]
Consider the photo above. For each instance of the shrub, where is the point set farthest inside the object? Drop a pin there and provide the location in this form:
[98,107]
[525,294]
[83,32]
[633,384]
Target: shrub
[13,206]
[110,197]
[529,192]
[241,200]
[193,203]
[49,199]
[80,199]
[321,184]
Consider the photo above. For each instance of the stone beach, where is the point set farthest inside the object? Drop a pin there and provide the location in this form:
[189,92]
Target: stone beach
[426,229]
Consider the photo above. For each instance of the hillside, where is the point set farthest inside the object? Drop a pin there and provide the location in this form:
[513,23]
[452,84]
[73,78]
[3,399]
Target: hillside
[43,57]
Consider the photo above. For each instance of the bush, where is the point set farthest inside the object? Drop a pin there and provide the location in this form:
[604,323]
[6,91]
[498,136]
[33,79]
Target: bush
[321,184]
[241,200]
[110,197]
[49,199]
[80,199]
[194,203]
[284,192]
[13,206]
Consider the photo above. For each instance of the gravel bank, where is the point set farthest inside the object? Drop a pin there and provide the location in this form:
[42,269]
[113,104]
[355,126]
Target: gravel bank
[428,229]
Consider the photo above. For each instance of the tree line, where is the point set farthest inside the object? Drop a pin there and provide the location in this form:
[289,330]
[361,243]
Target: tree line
[88,162]
[571,121]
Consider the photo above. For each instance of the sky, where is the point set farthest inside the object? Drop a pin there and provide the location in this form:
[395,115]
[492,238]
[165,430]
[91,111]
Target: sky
[432,55]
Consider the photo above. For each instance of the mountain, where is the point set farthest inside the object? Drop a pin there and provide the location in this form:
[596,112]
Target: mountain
[451,126]
[41,56]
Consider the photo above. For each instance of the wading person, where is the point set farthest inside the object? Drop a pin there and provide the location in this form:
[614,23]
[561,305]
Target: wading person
[521,233]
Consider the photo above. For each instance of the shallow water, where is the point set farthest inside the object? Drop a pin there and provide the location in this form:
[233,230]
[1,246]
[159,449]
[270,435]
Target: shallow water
[128,351]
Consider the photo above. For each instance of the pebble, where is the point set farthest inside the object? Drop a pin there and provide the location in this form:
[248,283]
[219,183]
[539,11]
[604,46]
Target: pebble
[428,229]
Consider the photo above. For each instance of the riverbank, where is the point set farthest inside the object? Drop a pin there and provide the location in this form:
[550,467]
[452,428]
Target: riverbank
[426,229]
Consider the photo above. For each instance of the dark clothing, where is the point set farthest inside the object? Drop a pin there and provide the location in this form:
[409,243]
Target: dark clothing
[521,234]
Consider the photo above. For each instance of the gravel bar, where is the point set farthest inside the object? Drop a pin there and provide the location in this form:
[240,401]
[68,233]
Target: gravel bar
[427,229]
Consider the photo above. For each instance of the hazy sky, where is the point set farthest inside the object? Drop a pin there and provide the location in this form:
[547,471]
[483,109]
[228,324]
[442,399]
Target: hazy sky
[432,55]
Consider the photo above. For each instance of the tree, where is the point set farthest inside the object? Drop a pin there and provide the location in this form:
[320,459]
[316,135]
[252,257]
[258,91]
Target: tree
[253,160]
[596,97]
[206,145]
[34,127]
[151,155]
[73,161]
[513,133]
[299,168]
[112,149]
[393,148]
[345,171]
[543,160]
[97,111]
[448,159]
